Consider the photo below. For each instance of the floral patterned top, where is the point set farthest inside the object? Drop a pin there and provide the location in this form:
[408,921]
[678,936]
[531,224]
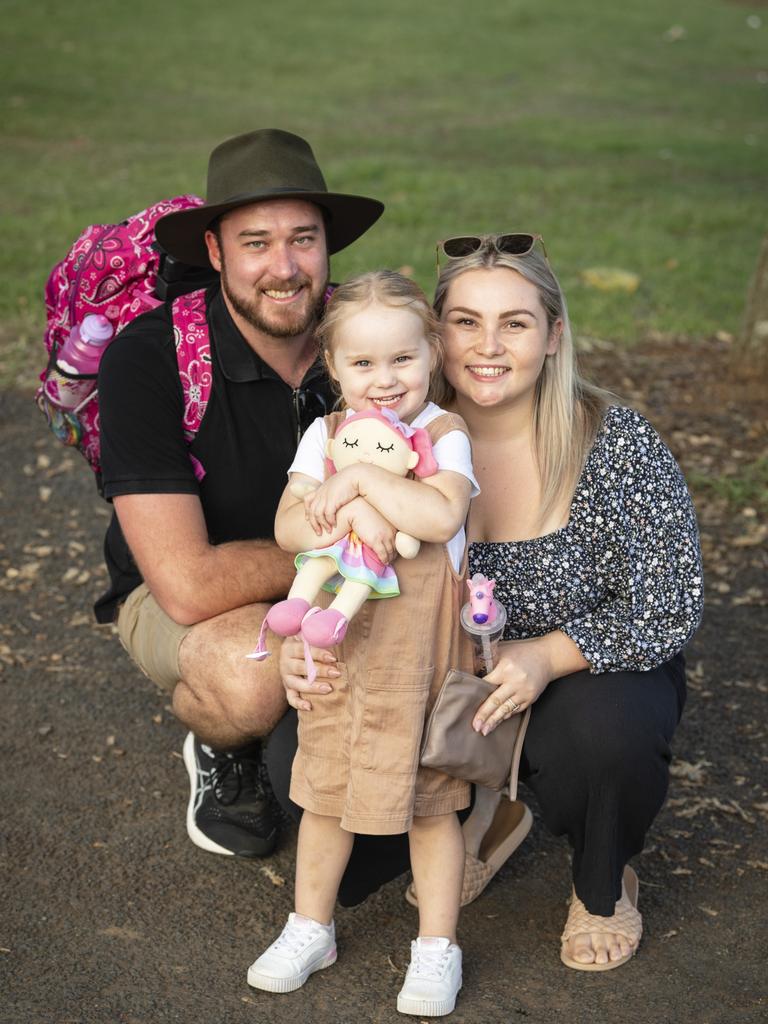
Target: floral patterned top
[623,577]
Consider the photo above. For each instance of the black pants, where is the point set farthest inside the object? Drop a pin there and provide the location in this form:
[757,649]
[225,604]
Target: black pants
[596,755]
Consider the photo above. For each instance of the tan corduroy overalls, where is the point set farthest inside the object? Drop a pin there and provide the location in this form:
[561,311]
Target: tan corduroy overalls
[358,755]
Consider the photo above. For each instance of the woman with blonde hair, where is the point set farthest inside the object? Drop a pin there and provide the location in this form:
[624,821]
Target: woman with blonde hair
[585,523]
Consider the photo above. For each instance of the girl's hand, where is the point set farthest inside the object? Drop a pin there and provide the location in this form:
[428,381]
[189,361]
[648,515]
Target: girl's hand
[293,671]
[373,529]
[521,676]
[322,505]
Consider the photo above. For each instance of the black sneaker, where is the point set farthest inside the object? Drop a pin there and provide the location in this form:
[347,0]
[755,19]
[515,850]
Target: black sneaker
[228,809]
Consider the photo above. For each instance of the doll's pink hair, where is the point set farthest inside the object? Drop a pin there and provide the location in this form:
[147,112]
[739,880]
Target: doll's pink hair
[415,437]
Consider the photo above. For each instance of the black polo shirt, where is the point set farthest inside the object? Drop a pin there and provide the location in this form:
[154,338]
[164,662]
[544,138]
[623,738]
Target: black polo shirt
[246,441]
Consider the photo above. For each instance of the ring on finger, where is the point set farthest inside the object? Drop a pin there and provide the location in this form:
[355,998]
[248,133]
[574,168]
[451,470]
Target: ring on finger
[513,707]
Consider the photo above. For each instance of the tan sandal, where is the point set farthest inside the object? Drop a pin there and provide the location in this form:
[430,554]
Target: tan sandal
[511,824]
[626,921]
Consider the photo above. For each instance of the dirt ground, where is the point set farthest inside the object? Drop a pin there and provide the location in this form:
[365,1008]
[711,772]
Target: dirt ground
[111,916]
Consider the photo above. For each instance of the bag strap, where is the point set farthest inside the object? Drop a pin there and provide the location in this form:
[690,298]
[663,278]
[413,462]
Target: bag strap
[191,340]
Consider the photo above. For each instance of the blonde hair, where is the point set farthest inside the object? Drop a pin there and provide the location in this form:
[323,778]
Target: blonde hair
[390,289]
[568,410]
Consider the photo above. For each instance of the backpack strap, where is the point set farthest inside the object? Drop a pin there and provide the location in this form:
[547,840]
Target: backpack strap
[193,355]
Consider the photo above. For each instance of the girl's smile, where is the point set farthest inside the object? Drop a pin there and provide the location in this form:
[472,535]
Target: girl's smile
[381,359]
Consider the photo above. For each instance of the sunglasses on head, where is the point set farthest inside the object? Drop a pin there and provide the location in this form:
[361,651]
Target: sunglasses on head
[517,243]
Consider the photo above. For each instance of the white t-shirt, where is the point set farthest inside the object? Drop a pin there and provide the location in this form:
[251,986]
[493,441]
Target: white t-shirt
[452,452]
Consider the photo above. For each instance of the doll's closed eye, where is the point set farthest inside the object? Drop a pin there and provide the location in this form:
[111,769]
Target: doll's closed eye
[349,444]
[380,447]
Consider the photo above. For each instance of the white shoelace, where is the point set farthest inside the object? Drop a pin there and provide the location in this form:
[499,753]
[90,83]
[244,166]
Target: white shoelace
[294,938]
[430,963]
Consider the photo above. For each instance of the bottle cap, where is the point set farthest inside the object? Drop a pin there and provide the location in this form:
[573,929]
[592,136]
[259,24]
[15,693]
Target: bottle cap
[96,329]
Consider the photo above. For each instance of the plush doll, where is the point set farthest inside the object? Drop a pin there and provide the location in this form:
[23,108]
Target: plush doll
[349,568]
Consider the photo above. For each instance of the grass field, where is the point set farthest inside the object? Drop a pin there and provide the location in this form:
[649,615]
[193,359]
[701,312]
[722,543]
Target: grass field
[630,137]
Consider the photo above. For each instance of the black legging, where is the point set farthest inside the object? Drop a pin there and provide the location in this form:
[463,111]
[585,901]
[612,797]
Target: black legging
[596,755]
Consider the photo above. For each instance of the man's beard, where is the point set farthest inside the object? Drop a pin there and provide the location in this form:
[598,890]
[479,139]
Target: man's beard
[284,324]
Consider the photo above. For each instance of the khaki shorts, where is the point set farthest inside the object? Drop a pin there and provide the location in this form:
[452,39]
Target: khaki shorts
[151,638]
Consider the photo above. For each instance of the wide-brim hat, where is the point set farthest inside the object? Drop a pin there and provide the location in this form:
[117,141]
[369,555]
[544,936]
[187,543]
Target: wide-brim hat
[265,164]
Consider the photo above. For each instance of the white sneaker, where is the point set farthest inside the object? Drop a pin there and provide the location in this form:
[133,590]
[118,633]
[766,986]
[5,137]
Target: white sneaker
[303,946]
[433,979]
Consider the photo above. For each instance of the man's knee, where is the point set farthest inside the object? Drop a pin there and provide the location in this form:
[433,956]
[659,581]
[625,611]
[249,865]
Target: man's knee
[257,709]
[224,641]
[220,685]
[228,716]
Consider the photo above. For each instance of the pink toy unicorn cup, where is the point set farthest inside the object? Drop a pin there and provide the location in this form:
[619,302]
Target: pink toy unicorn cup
[481,603]
[483,620]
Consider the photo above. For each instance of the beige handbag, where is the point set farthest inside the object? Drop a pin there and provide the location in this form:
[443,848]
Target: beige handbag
[451,745]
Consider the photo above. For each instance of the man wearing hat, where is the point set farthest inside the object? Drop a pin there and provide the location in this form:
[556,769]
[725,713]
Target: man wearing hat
[193,564]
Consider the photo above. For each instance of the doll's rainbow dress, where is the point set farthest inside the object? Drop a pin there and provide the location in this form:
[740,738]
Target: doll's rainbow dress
[355,560]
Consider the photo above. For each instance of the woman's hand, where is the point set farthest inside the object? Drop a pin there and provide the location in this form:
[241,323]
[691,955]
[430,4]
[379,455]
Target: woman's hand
[293,672]
[322,504]
[520,677]
[525,669]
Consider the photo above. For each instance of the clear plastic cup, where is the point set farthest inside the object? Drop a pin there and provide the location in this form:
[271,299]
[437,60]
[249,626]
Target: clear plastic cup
[485,637]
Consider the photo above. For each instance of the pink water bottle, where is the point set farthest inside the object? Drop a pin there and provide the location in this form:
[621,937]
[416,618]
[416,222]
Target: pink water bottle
[73,379]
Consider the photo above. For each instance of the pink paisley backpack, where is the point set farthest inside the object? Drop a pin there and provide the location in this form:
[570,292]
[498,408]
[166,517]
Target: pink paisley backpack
[114,270]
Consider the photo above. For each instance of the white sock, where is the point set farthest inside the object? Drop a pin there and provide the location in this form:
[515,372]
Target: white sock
[304,921]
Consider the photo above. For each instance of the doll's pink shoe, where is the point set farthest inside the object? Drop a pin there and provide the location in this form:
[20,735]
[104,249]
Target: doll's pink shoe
[283,618]
[324,628]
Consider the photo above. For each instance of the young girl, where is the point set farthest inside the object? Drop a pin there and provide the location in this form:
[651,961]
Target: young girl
[356,770]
